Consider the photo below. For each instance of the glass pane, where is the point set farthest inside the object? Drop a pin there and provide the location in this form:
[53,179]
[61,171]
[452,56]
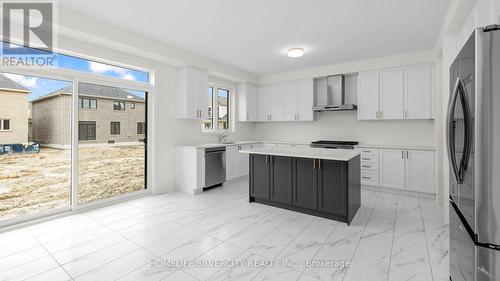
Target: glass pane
[207,124]
[80,64]
[35,154]
[111,152]
[223,108]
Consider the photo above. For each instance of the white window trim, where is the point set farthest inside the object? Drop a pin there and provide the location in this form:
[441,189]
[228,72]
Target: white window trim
[215,110]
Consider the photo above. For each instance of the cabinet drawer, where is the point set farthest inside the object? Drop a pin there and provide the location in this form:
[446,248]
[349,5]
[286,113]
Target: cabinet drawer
[369,167]
[369,177]
[369,159]
[368,151]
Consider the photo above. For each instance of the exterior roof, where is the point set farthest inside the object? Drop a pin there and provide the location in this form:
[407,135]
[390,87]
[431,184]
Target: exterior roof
[9,84]
[91,90]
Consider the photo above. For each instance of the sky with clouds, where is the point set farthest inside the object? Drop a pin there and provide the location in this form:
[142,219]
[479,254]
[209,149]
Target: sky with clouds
[42,86]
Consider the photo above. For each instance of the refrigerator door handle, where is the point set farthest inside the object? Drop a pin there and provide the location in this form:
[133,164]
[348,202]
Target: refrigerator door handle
[451,132]
[467,128]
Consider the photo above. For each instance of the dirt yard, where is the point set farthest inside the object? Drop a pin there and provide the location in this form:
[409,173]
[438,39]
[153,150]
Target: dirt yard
[31,183]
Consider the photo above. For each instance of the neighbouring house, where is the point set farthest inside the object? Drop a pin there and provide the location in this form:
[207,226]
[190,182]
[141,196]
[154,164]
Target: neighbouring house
[105,115]
[13,112]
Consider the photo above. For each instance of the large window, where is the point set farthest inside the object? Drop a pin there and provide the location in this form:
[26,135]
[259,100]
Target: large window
[55,137]
[115,128]
[86,130]
[218,116]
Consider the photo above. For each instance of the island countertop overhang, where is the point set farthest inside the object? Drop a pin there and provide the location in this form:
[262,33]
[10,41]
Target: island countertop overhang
[301,152]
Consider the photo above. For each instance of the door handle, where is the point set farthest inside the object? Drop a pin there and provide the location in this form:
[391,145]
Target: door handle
[450,128]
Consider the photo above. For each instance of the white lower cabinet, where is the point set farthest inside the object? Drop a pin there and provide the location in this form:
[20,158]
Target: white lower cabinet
[232,162]
[411,170]
[420,171]
[236,163]
[392,169]
[243,159]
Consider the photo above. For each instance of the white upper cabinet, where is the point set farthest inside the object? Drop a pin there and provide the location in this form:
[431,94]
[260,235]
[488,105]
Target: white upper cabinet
[276,103]
[290,102]
[192,93]
[263,103]
[368,95]
[298,98]
[418,89]
[247,102]
[398,93]
[420,171]
[391,94]
[305,100]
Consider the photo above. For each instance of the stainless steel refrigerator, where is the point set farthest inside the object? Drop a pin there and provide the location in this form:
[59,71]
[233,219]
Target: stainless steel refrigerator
[473,134]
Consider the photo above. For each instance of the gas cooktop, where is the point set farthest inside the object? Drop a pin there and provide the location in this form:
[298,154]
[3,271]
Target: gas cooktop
[334,144]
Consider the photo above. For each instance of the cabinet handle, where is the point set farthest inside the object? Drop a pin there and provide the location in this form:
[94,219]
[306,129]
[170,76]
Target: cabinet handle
[402,154]
[406,113]
[314,164]
[366,178]
[270,117]
[267,159]
[407,155]
[367,151]
[271,159]
[319,164]
[364,166]
[248,118]
[366,158]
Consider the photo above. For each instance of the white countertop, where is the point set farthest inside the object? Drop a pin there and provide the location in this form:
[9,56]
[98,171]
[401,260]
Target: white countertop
[304,152]
[361,145]
[396,146]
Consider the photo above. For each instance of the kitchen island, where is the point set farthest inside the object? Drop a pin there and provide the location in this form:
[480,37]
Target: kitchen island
[315,181]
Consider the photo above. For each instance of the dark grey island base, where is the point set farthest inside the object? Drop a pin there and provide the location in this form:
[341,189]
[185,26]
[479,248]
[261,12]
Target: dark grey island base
[325,188]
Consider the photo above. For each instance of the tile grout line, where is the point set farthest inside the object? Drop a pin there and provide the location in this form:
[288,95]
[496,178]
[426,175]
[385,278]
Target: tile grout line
[392,242]
[364,229]
[425,236]
[298,234]
[317,251]
[58,263]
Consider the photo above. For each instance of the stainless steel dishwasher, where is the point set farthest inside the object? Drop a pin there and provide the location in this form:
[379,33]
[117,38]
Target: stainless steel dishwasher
[215,166]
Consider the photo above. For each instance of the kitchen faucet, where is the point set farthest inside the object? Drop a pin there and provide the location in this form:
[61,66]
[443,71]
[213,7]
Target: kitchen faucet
[223,138]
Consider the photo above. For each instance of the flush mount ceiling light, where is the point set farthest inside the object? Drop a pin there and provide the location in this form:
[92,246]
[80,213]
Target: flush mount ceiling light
[295,52]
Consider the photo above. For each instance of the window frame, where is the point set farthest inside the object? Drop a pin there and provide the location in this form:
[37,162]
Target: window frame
[113,128]
[215,110]
[81,101]
[132,105]
[2,125]
[141,128]
[87,124]
[122,108]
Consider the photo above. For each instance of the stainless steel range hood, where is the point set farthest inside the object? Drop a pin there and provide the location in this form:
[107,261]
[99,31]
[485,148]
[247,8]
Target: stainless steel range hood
[330,94]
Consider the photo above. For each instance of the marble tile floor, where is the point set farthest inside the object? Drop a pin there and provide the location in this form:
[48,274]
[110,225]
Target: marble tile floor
[218,235]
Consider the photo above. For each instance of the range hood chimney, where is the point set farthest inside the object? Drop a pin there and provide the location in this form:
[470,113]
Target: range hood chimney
[330,94]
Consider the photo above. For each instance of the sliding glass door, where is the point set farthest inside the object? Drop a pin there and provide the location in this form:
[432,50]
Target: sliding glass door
[111,141]
[35,145]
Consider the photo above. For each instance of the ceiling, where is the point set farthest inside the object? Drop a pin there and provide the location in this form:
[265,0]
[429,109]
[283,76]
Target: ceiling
[253,35]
